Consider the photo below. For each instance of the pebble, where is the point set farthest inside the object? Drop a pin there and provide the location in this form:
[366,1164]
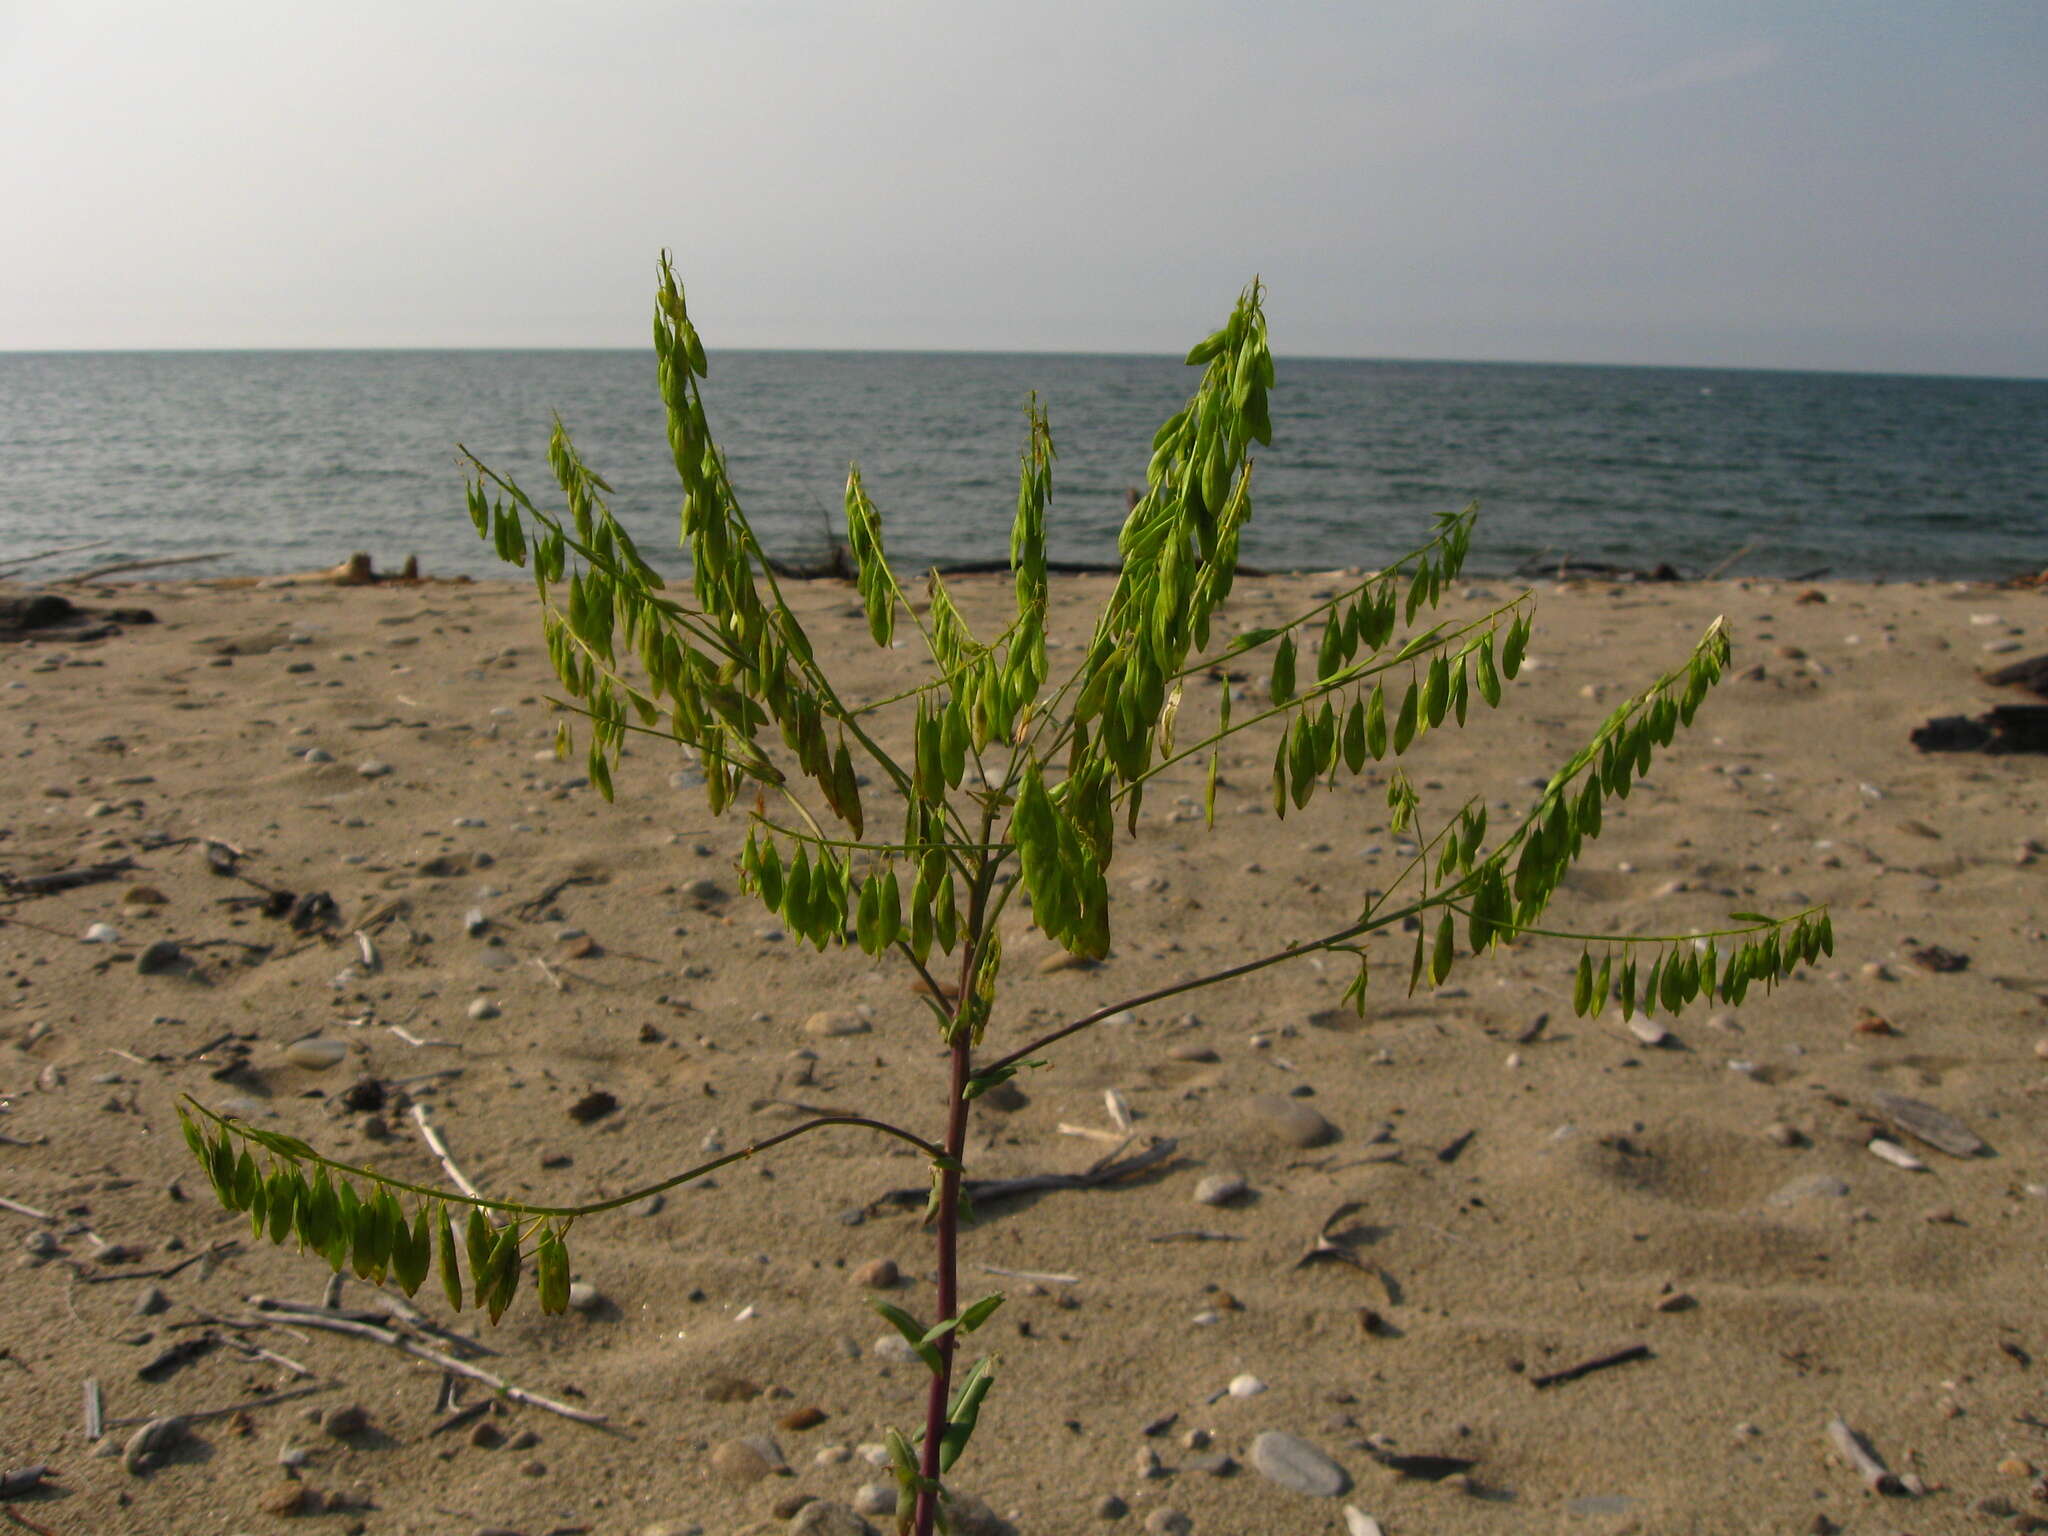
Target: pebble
[1168,1522]
[1110,1507]
[373,768]
[835,1022]
[585,1297]
[1809,1186]
[672,1528]
[594,1105]
[1780,1134]
[797,1419]
[1294,1464]
[316,755]
[821,1517]
[151,1302]
[1358,1523]
[703,891]
[315,1054]
[1220,1189]
[746,1461]
[161,956]
[101,933]
[483,1008]
[474,922]
[875,1499]
[877,1274]
[349,1419]
[1246,1385]
[146,1447]
[893,1347]
[1649,1031]
[1187,1051]
[1291,1121]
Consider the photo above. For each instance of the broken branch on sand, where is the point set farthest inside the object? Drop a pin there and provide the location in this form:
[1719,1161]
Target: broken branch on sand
[440,1149]
[139,565]
[445,1362]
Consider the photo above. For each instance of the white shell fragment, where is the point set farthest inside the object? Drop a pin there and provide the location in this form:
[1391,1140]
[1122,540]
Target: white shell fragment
[1896,1155]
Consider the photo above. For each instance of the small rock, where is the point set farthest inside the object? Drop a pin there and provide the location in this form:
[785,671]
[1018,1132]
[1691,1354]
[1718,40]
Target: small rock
[1358,1523]
[486,1436]
[1809,1186]
[1246,1385]
[373,768]
[148,1445]
[1290,1121]
[1220,1189]
[703,891]
[1110,1507]
[483,1008]
[474,923]
[746,1461]
[1649,1031]
[316,756]
[1779,1134]
[1147,1465]
[159,957]
[1676,1301]
[835,1022]
[102,933]
[350,1419]
[2014,1466]
[893,1347]
[875,1499]
[315,1055]
[585,1297]
[821,1517]
[1297,1466]
[877,1274]
[289,1499]
[151,1302]
[594,1105]
[1168,1522]
[1187,1050]
[809,1417]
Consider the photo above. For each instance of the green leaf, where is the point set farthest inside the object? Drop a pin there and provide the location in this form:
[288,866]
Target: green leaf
[1376,723]
[451,1277]
[1440,960]
[1282,687]
[1354,737]
[1517,642]
[912,1332]
[1489,677]
[1582,986]
[980,1312]
[1436,690]
[551,1271]
[1404,723]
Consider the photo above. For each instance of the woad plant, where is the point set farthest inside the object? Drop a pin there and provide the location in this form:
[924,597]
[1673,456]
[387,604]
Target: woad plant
[1016,785]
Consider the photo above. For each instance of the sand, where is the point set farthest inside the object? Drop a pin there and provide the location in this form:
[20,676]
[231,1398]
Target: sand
[1514,1207]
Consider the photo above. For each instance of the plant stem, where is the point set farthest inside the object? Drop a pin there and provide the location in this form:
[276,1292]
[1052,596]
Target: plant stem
[949,1286]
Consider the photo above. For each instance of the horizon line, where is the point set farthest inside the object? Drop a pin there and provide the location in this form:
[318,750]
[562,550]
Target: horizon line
[1306,357]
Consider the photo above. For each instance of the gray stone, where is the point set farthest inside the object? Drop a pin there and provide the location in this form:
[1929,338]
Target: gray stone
[372,768]
[315,1054]
[483,1008]
[584,1297]
[821,1517]
[875,1499]
[1808,1186]
[1220,1189]
[1168,1522]
[748,1460]
[1290,1121]
[149,1444]
[164,955]
[835,1022]
[1297,1466]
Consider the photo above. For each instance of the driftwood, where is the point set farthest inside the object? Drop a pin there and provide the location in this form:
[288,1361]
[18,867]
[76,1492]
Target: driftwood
[231,1409]
[433,1140]
[64,879]
[7,567]
[1588,1367]
[434,1357]
[1923,1122]
[140,565]
[2031,674]
[1858,1452]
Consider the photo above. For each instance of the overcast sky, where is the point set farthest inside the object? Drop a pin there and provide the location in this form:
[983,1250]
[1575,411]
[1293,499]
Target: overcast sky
[1836,185]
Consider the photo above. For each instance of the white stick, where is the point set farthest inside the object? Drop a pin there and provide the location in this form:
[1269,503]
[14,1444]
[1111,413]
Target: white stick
[23,1210]
[447,1363]
[1044,1276]
[433,1139]
[1855,1450]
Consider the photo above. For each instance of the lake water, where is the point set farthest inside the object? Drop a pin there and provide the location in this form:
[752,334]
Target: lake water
[291,460]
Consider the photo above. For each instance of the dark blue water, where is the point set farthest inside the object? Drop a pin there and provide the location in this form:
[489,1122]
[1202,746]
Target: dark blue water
[290,460]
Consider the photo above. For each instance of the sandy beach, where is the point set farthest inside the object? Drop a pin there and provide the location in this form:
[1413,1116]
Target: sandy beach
[1510,1200]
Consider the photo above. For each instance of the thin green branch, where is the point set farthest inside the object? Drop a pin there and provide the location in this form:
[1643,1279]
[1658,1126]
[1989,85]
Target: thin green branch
[519,1208]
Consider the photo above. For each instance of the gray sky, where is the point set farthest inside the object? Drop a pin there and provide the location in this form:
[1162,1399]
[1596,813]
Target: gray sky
[1780,185]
